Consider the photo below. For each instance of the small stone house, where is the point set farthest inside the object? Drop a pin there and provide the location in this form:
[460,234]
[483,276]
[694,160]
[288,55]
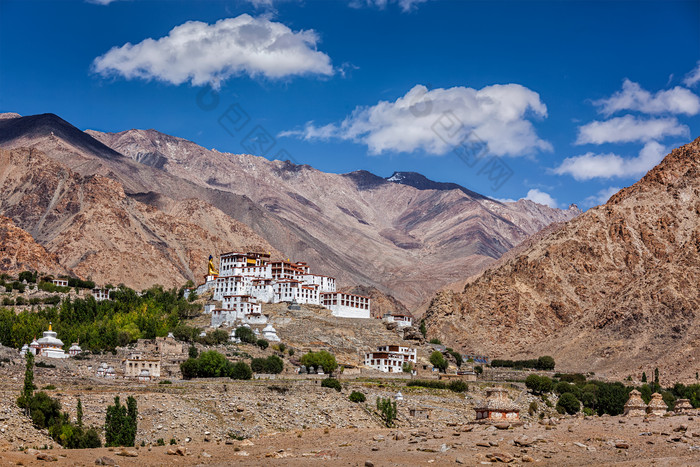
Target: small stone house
[635,406]
[497,406]
[657,406]
[422,413]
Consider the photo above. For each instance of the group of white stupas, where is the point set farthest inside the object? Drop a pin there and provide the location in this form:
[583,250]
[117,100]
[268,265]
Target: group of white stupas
[245,280]
[50,346]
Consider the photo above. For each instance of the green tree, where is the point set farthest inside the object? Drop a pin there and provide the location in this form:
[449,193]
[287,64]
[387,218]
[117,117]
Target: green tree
[423,329]
[387,410]
[357,397]
[262,343]
[212,364]
[656,375]
[121,423]
[79,411]
[240,370]
[190,368]
[438,361]
[545,363]
[644,377]
[569,403]
[25,400]
[321,359]
[457,357]
[193,352]
[245,334]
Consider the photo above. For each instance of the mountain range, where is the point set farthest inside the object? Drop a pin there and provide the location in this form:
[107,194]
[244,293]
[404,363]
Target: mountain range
[615,290]
[141,207]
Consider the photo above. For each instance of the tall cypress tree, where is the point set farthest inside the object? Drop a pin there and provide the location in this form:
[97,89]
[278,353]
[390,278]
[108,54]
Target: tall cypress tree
[79,409]
[25,400]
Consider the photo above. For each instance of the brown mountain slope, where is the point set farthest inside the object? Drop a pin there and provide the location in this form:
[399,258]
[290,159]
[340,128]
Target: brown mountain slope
[93,228]
[19,252]
[615,290]
[358,227]
[378,231]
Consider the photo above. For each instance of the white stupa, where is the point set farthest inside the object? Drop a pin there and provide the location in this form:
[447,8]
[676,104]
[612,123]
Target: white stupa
[50,346]
[74,349]
[270,333]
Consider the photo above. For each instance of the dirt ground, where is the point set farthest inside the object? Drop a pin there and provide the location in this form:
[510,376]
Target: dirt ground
[663,441]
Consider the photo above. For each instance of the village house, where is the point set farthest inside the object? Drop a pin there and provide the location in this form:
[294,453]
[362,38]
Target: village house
[136,363]
[60,282]
[398,318]
[245,280]
[497,406]
[421,413]
[635,405]
[390,358]
[100,294]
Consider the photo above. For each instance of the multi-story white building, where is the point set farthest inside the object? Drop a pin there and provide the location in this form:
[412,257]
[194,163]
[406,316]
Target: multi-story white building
[346,305]
[399,319]
[247,279]
[390,358]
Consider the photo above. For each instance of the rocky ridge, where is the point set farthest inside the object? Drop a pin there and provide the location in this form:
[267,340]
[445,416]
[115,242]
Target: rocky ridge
[613,291]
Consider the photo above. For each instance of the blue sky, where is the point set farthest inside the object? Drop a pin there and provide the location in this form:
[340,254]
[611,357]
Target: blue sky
[569,101]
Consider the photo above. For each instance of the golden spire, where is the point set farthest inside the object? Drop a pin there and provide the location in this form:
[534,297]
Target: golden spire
[49,325]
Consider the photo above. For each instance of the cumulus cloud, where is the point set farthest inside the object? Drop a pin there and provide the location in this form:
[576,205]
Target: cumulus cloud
[601,197]
[203,53]
[692,78]
[628,129]
[405,5]
[541,197]
[590,165]
[677,100]
[439,120]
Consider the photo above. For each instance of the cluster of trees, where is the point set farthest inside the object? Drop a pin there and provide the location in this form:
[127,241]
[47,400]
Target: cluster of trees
[100,326]
[212,364]
[321,359]
[598,397]
[19,301]
[120,423]
[387,410]
[45,412]
[542,363]
[271,365]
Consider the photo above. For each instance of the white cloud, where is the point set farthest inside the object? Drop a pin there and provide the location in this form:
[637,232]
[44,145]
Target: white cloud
[541,197]
[628,129]
[601,197]
[438,120]
[692,78]
[610,165]
[405,5]
[202,53]
[677,100]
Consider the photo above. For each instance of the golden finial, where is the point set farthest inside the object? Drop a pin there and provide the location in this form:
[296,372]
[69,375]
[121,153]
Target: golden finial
[49,325]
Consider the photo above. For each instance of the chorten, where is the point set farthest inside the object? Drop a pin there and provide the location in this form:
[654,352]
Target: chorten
[50,346]
[657,406]
[635,406]
[270,333]
[497,406]
[682,406]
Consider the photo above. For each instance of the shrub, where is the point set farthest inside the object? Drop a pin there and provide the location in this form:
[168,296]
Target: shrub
[458,386]
[281,347]
[290,352]
[272,364]
[569,403]
[331,383]
[426,384]
[165,381]
[190,368]
[216,337]
[41,364]
[356,396]
[478,369]
[588,411]
[532,410]
[193,352]
[160,442]
[173,441]
[457,357]
[49,387]
[545,363]
[435,341]
[262,343]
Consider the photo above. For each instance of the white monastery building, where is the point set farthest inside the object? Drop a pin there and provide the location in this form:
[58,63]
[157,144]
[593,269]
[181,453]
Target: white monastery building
[400,320]
[245,280]
[390,358]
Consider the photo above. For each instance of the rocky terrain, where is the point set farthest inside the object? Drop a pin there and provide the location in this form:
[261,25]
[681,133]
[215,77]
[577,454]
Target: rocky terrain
[613,291]
[89,225]
[358,227]
[20,252]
